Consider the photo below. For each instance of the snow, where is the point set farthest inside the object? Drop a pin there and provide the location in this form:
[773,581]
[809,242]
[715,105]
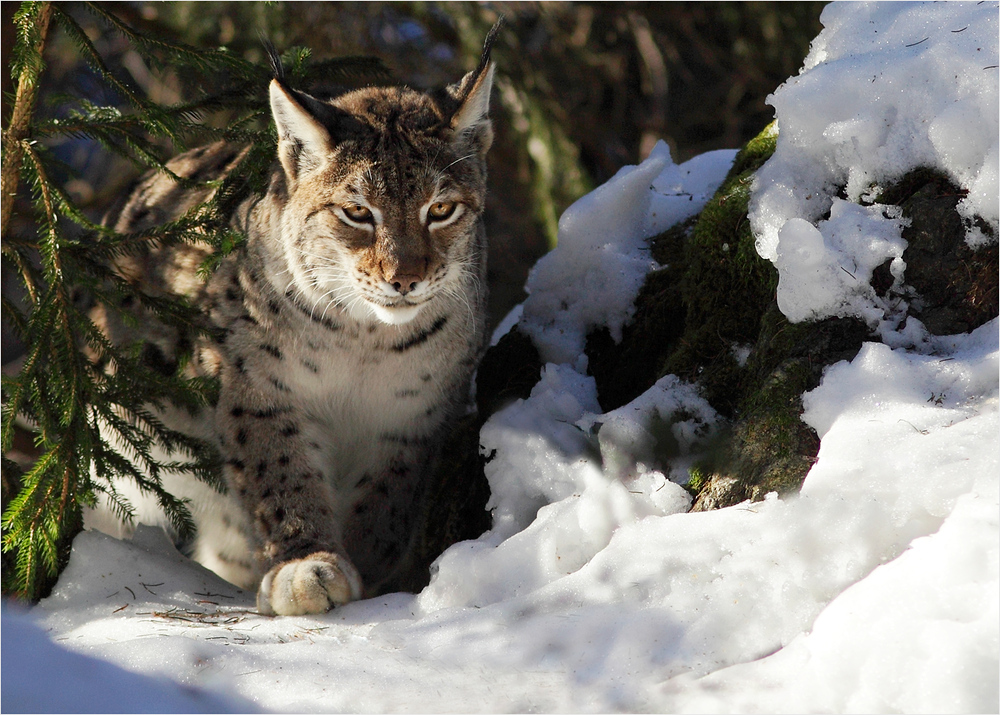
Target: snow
[875,589]
[87,684]
[826,269]
[602,257]
[886,88]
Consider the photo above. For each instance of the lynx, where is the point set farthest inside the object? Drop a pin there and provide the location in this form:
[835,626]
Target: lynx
[346,330]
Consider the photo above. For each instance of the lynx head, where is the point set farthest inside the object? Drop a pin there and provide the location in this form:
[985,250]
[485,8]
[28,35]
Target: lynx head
[384,191]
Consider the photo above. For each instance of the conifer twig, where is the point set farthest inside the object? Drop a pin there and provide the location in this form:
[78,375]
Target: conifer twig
[20,118]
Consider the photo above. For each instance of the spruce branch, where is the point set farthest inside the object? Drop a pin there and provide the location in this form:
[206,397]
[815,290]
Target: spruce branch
[16,251]
[93,58]
[205,61]
[32,21]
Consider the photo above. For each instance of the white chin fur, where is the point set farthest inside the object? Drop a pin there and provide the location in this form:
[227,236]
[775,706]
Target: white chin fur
[395,316]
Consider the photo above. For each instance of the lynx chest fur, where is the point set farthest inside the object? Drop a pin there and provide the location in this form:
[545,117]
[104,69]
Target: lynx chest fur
[344,331]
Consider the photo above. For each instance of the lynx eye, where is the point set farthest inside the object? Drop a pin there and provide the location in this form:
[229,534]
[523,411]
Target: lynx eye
[357,212]
[440,210]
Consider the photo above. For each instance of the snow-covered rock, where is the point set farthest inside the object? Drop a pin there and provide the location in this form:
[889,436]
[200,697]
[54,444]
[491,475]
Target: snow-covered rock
[886,88]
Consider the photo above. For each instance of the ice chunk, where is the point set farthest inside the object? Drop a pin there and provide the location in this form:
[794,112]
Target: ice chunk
[826,270]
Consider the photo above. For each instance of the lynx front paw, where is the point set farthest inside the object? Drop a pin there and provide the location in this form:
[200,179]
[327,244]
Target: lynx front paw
[312,584]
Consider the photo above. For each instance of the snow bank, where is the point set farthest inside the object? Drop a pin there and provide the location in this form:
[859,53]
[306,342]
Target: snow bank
[40,676]
[560,494]
[875,589]
[886,88]
[592,276]
[920,632]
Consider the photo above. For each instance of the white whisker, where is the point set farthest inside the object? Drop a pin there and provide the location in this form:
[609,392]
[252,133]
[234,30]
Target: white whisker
[461,158]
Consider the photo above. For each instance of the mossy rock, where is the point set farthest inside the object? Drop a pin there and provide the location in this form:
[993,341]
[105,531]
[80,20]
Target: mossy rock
[727,294]
[770,448]
[720,297]
[726,286]
[708,297]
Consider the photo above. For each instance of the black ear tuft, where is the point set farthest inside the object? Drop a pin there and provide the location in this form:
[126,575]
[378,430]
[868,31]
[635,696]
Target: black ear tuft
[491,36]
[274,58]
[471,117]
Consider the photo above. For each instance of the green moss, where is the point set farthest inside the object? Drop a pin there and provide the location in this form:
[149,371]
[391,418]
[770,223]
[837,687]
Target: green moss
[668,247]
[728,292]
[726,286]
[715,293]
[709,296]
[758,150]
[698,477]
[770,448]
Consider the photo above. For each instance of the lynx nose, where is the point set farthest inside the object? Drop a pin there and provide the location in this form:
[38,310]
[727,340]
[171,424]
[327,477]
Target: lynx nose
[404,283]
[404,274]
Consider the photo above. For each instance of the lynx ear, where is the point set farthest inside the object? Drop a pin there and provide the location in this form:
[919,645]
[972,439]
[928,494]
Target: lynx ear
[475,106]
[302,139]
[473,94]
